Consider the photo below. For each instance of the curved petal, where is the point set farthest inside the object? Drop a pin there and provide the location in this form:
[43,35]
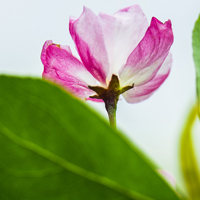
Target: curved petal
[87,33]
[61,67]
[142,92]
[94,100]
[122,32]
[146,59]
[43,54]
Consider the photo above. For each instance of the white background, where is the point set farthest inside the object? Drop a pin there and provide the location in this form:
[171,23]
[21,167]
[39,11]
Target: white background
[154,124]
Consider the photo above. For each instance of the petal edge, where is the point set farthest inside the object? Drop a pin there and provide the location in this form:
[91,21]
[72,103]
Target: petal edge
[87,33]
[61,67]
[142,92]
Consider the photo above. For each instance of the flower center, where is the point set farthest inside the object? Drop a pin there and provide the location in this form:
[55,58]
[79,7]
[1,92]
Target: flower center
[112,92]
[110,96]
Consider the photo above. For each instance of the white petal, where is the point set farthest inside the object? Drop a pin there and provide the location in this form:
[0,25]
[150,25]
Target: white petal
[122,33]
[142,92]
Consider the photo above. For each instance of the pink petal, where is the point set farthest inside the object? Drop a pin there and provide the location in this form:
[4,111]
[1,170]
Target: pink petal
[61,67]
[142,92]
[146,59]
[122,33]
[43,54]
[95,100]
[87,34]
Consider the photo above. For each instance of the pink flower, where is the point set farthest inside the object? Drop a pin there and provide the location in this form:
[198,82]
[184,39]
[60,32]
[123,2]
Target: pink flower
[122,44]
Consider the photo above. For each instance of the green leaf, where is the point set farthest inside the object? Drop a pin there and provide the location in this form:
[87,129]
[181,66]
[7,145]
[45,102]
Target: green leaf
[196,55]
[53,147]
[188,159]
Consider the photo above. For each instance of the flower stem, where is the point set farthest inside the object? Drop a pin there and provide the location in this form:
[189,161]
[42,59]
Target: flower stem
[110,96]
[111,107]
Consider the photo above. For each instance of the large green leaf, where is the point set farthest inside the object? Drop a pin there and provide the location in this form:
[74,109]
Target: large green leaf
[188,158]
[196,55]
[53,147]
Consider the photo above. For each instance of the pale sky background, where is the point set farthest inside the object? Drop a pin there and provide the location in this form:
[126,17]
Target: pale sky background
[155,124]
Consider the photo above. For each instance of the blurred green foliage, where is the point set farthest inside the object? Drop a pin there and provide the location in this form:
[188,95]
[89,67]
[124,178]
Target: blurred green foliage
[188,158]
[54,147]
[196,55]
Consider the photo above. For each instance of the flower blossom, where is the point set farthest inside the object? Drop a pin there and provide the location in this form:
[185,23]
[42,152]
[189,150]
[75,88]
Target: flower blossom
[120,49]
